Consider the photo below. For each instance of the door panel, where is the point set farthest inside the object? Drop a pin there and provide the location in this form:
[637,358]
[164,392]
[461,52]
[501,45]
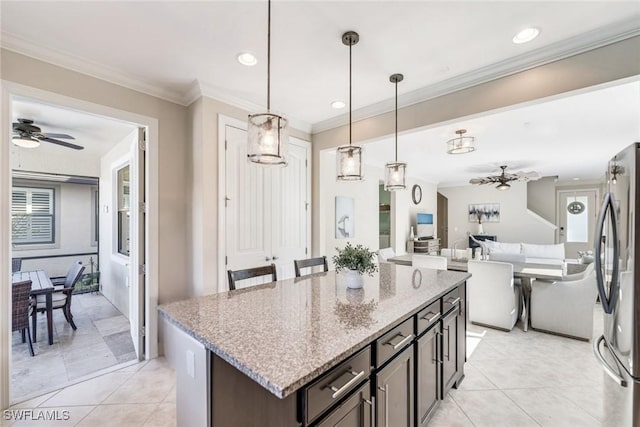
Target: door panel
[443,220]
[137,246]
[577,229]
[394,392]
[428,384]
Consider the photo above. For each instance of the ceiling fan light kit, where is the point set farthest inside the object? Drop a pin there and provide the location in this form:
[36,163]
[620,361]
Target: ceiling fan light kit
[349,157]
[25,142]
[267,133]
[505,178]
[461,144]
[395,173]
[28,135]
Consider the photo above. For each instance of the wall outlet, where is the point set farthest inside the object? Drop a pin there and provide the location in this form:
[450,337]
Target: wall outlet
[191,364]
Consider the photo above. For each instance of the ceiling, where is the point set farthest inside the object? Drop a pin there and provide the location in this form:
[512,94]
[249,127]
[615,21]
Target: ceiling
[96,134]
[179,50]
[571,137]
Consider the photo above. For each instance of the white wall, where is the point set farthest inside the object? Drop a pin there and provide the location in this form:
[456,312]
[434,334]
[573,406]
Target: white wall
[516,224]
[73,229]
[114,267]
[366,194]
[541,197]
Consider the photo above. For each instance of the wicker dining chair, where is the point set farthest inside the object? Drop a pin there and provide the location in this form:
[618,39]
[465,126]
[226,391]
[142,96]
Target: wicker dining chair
[20,310]
[16,265]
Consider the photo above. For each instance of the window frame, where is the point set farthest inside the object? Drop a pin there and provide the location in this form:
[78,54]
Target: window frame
[31,187]
[119,211]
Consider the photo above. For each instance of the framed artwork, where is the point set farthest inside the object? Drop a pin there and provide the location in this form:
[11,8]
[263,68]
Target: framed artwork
[345,217]
[485,212]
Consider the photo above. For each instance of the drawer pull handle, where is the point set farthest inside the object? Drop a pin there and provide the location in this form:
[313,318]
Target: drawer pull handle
[454,302]
[432,318]
[401,343]
[338,391]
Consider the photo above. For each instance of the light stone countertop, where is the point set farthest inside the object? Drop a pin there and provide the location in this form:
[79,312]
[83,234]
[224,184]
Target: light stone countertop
[286,333]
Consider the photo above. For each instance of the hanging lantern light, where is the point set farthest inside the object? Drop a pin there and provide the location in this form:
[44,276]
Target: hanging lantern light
[268,133]
[349,157]
[395,173]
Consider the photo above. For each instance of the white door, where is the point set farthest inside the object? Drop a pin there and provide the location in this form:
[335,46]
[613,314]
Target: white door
[289,210]
[577,216]
[137,232]
[266,214]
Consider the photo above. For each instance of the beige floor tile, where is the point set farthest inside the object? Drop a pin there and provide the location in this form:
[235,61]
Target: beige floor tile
[112,325]
[164,415]
[449,414]
[549,408]
[491,408]
[474,379]
[35,402]
[129,415]
[54,417]
[589,399]
[144,387]
[91,392]
[171,396]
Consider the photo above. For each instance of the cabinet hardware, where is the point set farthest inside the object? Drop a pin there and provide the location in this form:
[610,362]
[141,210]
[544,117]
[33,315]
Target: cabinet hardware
[267,258]
[596,350]
[338,391]
[454,302]
[274,258]
[432,318]
[371,403]
[386,405]
[448,342]
[401,343]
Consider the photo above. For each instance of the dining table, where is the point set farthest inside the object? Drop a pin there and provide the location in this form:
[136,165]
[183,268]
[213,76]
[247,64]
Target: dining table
[40,285]
[527,272]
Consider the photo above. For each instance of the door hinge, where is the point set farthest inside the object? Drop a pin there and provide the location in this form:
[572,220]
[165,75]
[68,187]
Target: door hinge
[306,206]
[225,144]
[142,207]
[142,143]
[226,260]
[143,331]
[306,163]
[142,269]
[226,201]
[305,250]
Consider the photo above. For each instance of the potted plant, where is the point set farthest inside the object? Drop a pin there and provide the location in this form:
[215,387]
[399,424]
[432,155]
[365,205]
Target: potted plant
[355,260]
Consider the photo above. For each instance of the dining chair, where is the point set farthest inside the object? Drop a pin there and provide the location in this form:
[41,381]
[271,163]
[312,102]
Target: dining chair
[20,310]
[298,264]
[385,253]
[493,298]
[250,273]
[429,261]
[16,265]
[61,297]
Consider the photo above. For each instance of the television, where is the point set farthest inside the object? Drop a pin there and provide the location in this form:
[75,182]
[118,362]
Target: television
[424,225]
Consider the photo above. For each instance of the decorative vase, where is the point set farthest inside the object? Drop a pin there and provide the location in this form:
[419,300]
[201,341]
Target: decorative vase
[480,230]
[354,279]
[412,235]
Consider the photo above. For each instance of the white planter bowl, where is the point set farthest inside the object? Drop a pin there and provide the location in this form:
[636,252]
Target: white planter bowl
[354,279]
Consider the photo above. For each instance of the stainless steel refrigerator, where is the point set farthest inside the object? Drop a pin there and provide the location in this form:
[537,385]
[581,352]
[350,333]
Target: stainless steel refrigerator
[616,247]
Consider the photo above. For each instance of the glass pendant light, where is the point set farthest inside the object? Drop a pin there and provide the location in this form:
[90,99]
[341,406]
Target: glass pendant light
[395,173]
[349,157]
[462,144]
[268,134]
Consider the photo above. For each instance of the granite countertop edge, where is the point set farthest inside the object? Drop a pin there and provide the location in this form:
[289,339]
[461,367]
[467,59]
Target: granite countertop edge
[283,392]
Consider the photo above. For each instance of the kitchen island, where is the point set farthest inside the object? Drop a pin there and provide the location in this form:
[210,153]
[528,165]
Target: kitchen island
[309,351]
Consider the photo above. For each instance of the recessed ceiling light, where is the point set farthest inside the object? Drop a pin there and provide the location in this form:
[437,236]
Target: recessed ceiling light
[526,35]
[247,58]
[576,179]
[338,104]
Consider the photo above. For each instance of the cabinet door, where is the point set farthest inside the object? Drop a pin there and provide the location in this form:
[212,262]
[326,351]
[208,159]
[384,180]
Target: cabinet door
[394,392]
[427,373]
[353,412]
[449,350]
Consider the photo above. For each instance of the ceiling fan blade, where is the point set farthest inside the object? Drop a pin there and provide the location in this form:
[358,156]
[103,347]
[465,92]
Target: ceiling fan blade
[57,135]
[63,143]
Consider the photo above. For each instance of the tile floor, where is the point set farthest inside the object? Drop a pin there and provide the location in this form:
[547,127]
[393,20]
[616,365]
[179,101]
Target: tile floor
[142,394]
[102,340]
[512,379]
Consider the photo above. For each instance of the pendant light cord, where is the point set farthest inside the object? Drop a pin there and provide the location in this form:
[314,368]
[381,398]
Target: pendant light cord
[269,57]
[350,90]
[396,120]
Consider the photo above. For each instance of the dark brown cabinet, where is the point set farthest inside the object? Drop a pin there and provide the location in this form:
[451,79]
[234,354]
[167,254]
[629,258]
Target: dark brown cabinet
[395,392]
[450,351]
[353,412]
[427,374]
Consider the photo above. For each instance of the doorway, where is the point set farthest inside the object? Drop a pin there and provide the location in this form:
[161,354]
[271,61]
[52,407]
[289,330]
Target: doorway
[443,220]
[98,326]
[577,211]
[384,214]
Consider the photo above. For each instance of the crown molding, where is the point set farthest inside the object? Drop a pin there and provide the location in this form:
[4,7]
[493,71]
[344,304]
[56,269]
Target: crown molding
[593,39]
[72,62]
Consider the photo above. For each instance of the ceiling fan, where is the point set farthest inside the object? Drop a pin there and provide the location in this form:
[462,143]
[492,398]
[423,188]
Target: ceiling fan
[505,178]
[28,135]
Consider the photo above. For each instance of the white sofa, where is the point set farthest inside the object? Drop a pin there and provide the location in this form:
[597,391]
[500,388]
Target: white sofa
[524,252]
[493,298]
[565,307]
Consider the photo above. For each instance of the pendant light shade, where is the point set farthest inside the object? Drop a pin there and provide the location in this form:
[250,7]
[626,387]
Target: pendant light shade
[349,157]
[503,186]
[395,173]
[461,144]
[268,134]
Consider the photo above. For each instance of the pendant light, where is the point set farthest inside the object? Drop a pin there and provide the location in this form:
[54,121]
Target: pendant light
[268,134]
[395,173]
[462,144]
[349,157]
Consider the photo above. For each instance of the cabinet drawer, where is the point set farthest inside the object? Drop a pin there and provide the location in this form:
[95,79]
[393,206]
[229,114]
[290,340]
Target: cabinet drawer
[394,341]
[451,300]
[428,316]
[337,383]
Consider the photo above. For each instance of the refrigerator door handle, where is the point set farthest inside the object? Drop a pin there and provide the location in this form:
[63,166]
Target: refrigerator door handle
[607,303]
[614,375]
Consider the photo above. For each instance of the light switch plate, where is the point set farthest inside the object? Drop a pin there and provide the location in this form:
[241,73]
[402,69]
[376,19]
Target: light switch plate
[191,364]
